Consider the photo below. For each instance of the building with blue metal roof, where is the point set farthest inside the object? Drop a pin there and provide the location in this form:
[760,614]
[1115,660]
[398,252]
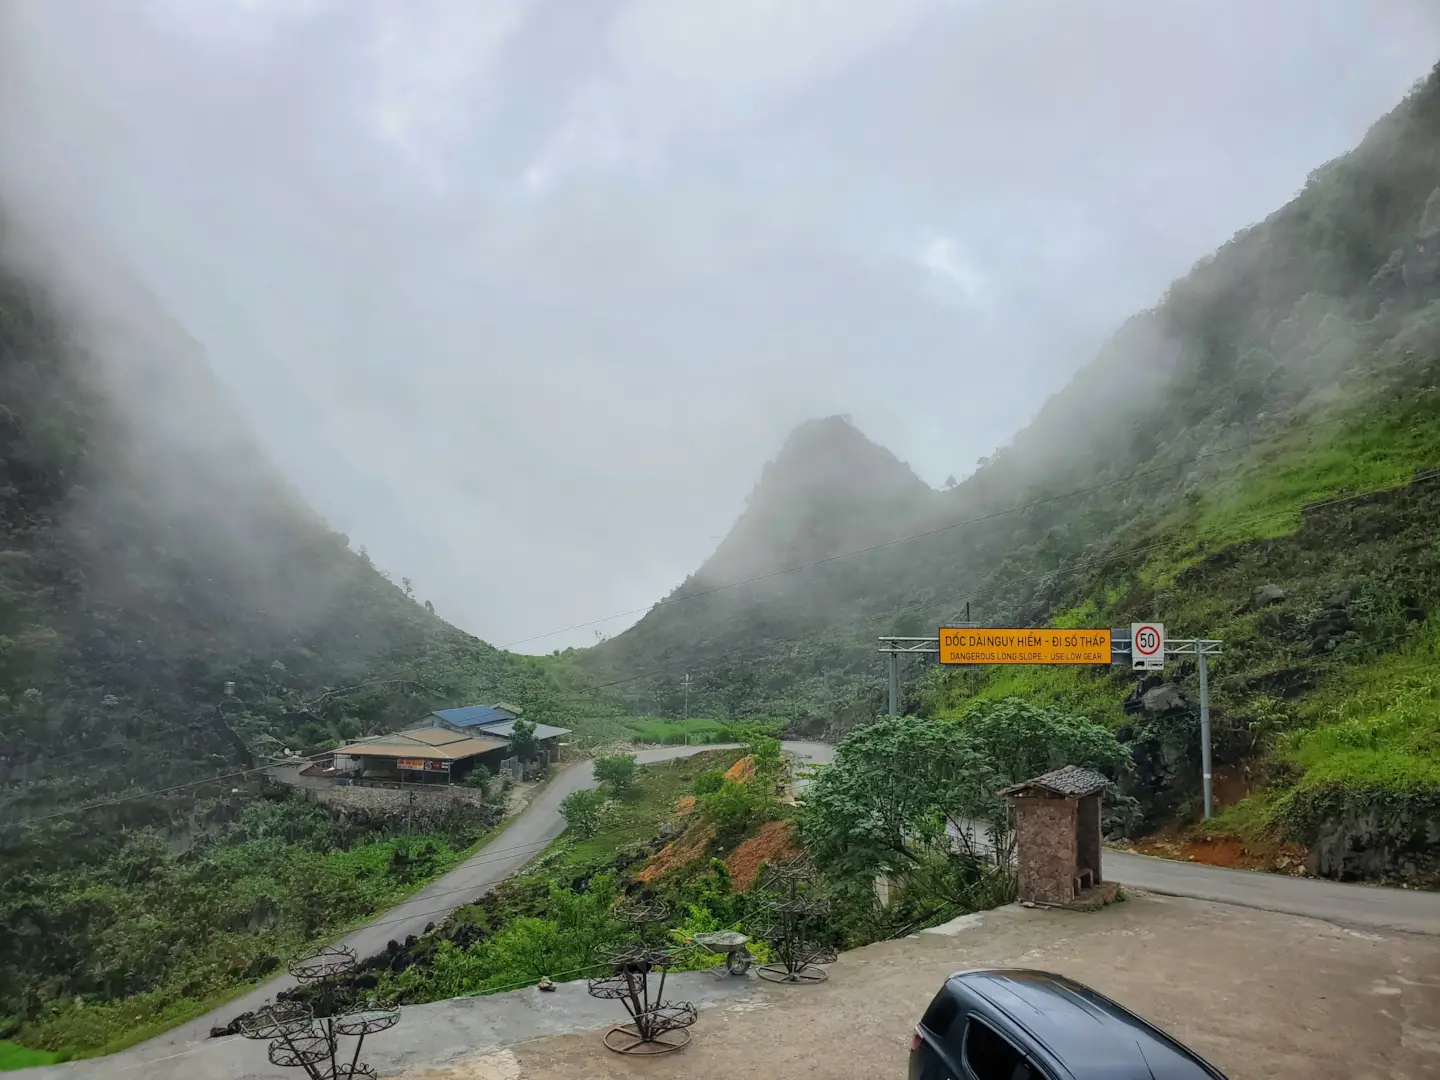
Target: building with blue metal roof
[471,716]
[490,721]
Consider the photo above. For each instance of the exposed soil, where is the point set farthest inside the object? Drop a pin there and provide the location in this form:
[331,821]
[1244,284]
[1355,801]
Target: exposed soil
[773,843]
[680,852]
[685,804]
[742,772]
[1226,851]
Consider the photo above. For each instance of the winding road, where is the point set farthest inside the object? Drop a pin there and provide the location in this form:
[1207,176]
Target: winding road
[541,822]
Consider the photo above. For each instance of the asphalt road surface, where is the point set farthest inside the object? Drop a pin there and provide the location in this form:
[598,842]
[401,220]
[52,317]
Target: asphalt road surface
[540,823]
[1334,901]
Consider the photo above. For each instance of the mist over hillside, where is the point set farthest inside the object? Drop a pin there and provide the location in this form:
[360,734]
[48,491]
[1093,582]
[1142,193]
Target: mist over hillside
[151,554]
[1324,307]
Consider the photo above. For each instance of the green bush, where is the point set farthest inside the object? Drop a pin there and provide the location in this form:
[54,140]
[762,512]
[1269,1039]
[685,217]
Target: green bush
[618,772]
[708,782]
[583,811]
[732,808]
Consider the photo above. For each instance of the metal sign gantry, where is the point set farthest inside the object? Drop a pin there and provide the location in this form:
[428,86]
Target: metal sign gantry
[1121,655]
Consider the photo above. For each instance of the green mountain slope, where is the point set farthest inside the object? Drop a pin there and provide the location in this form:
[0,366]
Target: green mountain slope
[149,554]
[1294,366]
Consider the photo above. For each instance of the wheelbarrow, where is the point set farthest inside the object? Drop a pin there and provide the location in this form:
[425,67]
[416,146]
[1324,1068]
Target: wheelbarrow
[734,947]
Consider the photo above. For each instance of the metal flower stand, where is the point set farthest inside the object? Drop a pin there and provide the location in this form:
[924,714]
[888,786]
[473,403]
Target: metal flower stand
[656,1026]
[793,908]
[300,1039]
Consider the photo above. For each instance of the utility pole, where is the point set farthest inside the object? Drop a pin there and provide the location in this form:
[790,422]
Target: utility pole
[894,659]
[687,695]
[1205,731]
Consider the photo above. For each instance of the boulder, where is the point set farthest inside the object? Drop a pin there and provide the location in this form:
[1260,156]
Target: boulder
[1167,697]
[1368,845]
[1328,627]
[1266,595]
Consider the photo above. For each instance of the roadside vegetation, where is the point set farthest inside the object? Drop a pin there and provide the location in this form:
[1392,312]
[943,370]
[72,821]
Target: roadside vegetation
[98,957]
[697,833]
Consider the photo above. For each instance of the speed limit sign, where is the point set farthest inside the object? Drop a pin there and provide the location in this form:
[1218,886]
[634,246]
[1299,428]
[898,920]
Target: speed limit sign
[1147,646]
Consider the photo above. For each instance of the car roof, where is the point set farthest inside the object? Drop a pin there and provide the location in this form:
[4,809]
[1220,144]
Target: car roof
[1091,1035]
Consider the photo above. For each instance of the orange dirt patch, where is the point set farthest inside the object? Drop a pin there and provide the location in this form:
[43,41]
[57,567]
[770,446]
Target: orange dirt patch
[1226,851]
[742,772]
[682,851]
[774,842]
[685,804]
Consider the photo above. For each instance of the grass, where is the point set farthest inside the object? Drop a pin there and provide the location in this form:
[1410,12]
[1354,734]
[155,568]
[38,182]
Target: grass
[1378,725]
[15,1056]
[1264,497]
[1367,729]
[658,787]
[1079,690]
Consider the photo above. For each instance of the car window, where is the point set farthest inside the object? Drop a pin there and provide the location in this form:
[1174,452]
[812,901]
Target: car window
[990,1056]
[941,1014]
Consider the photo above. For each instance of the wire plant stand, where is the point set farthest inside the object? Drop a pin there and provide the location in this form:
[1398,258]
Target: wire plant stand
[300,1039]
[656,1026]
[794,906]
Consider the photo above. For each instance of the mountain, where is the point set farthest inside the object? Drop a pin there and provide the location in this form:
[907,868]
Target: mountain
[150,554]
[1294,367]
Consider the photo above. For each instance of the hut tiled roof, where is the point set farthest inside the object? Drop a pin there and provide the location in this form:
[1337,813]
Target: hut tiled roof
[1069,782]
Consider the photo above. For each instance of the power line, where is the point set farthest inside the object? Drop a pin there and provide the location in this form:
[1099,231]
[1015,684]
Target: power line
[1140,474]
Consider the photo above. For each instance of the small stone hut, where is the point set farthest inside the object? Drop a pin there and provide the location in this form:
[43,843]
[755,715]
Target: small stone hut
[1057,833]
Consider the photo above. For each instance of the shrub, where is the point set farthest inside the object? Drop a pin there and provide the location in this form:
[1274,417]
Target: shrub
[732,808]
[583,811]
[618,771]
[708,782]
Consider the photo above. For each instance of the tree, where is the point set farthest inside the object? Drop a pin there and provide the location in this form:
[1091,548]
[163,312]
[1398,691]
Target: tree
[765,751]
[617,771]
[479,780]
[523,741]
[1021,739]
[886,799]
[583,811]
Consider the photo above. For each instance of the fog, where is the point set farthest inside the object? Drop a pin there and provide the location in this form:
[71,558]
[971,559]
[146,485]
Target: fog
[522,295]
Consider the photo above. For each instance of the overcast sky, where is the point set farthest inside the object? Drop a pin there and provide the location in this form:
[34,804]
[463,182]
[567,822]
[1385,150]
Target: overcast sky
[523,293]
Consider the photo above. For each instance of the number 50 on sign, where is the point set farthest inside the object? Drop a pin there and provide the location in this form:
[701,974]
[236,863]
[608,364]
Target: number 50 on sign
[1147,646]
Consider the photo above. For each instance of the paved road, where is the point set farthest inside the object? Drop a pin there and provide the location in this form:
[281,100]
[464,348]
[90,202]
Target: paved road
[1349,905]
[527,835]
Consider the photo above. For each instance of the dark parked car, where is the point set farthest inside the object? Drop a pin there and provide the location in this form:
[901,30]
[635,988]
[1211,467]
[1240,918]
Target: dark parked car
[1013,1024]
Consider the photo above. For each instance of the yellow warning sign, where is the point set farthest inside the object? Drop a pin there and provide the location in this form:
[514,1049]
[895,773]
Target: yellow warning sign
[967,645]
